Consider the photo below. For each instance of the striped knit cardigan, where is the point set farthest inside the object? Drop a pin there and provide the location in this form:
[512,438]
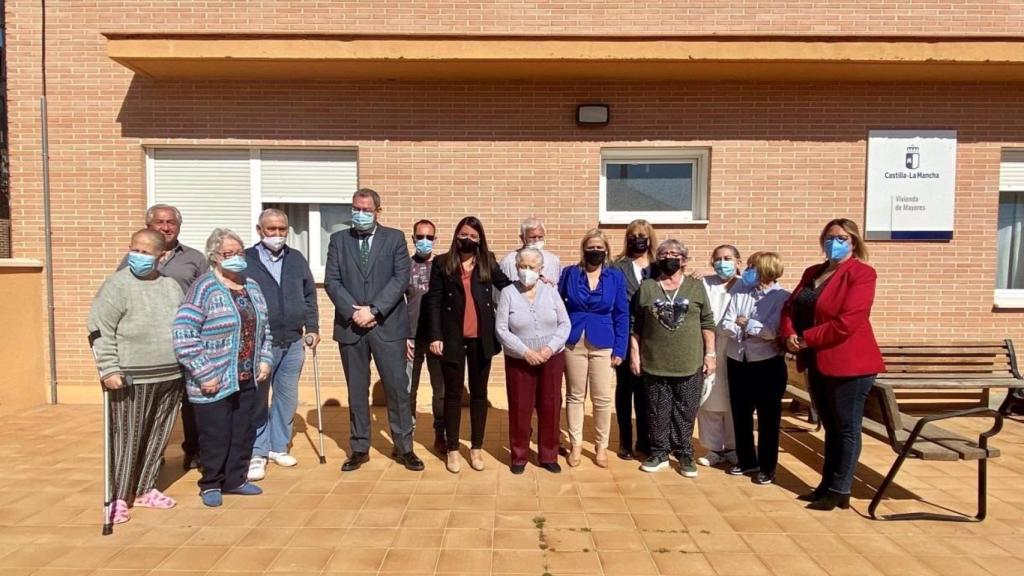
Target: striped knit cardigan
[207,333]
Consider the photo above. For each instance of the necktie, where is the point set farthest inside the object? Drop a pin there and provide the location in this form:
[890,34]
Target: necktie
[364,250]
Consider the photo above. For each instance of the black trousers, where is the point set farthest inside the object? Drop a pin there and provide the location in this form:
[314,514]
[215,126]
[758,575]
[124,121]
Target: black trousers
[630,396]
[840,404]
[470,359]
[672,410]
[227,430]
[757,386]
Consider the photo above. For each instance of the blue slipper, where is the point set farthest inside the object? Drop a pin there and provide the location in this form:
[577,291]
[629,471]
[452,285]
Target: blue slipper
[212,497]
[247,489]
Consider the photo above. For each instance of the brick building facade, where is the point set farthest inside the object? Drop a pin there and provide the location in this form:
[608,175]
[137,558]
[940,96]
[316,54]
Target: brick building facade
[785,154]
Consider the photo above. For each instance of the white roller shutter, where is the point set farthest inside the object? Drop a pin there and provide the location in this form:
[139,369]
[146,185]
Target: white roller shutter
[1011,170]
[211,188]
[308,176]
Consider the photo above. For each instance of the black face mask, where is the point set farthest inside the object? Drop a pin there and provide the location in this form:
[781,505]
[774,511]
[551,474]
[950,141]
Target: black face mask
[669,265]
[467,245]
[594,257]
[638,244]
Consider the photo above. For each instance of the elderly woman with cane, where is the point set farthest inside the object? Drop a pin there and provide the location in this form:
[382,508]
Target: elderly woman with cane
[130,334]
[222,338]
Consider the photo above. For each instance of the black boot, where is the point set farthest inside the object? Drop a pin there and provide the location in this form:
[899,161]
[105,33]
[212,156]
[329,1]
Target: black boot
[830,501]
[813,495]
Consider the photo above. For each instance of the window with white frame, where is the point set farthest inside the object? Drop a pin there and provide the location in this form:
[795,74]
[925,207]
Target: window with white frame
[1010,231]
[661,185]
[229,187]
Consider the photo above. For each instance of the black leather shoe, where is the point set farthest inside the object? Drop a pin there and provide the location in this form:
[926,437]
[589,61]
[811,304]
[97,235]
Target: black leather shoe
[830,501]
[518,468]
[625,454]
[354,461]
[410,460]
[552,467]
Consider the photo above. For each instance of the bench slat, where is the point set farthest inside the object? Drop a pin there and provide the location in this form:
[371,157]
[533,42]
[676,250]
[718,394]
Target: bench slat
[944,351]
[943,381]
[891,359]
[951,369]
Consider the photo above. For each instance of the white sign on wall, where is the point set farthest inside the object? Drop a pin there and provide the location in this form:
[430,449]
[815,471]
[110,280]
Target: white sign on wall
[911,181]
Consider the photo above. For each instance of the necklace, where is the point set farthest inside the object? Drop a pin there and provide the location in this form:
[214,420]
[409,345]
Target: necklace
[672,298]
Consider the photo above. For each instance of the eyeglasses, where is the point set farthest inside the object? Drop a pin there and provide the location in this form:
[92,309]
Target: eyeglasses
[841,238]
[226,255]
[673,255]
[363,211]
[424,237]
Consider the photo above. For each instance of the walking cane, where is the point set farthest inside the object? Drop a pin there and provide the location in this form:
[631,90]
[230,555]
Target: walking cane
[319,409]
[108,524]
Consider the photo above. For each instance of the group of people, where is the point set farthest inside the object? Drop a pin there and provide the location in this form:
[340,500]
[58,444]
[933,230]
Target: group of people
[228,330]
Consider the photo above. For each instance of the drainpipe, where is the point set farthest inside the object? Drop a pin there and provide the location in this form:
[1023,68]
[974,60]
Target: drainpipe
[46,212]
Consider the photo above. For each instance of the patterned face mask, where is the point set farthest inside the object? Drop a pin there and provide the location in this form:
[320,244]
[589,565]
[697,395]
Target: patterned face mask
[670,313]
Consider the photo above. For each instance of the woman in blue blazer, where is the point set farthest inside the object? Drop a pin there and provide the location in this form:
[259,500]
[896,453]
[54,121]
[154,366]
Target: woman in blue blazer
[595,297]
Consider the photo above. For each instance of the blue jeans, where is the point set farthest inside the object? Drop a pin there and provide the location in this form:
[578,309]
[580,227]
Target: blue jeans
[840,404]
[274,424]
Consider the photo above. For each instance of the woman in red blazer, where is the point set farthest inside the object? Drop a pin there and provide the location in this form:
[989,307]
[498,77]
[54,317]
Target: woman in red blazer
[826,322]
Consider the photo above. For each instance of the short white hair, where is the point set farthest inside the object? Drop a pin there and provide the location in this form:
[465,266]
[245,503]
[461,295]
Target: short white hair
[272,212]
[522,252]
[151,212]
[530,224]
[216,241]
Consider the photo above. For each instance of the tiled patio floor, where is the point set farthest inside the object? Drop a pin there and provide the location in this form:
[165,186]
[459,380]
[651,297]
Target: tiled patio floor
[385,520]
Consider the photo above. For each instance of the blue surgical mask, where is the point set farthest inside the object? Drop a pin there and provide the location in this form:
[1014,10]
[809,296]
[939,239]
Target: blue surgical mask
[837,249]
[362,221]
[726,269]
[424,246]
[141,264]
[234,264]
[750,276]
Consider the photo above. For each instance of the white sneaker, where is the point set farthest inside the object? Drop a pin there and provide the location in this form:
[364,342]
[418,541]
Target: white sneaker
[257,468]
[711,459]
[283,459]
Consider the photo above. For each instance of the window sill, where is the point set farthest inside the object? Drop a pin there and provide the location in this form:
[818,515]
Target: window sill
[614,220]
[1009,300]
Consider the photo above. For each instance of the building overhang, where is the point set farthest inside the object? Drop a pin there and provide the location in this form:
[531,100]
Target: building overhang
[569,58]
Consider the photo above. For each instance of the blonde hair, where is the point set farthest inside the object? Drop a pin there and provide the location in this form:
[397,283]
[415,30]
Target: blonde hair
[768,265]
[860,251]
[590,234]
[635,227]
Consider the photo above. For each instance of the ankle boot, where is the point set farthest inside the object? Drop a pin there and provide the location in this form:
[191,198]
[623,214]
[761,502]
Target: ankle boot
[830,501]
[813,495]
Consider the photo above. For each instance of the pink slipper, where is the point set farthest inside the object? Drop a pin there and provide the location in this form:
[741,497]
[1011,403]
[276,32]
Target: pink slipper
[155,499]
[120,513]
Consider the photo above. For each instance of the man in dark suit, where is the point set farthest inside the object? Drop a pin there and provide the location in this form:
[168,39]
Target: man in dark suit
[366,277]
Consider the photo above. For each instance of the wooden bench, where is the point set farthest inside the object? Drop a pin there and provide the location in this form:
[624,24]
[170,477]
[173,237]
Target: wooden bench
[946,367]
[943,369]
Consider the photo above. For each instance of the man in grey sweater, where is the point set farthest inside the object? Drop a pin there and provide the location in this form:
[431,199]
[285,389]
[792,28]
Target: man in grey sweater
[183,265]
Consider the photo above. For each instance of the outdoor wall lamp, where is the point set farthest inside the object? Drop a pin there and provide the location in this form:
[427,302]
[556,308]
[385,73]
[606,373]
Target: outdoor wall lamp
[592,114]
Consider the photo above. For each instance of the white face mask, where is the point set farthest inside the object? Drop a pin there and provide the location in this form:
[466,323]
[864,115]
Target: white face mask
[528,277]
[274,243]
[538,245]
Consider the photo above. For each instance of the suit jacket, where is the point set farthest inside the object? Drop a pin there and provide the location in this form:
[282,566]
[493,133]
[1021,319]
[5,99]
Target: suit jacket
[445,306]
[381,284]
[841,340]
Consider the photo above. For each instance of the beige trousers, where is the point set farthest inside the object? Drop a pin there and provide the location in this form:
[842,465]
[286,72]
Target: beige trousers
[588,367]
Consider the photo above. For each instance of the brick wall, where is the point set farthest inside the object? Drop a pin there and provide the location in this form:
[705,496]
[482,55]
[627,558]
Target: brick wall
[785,158]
